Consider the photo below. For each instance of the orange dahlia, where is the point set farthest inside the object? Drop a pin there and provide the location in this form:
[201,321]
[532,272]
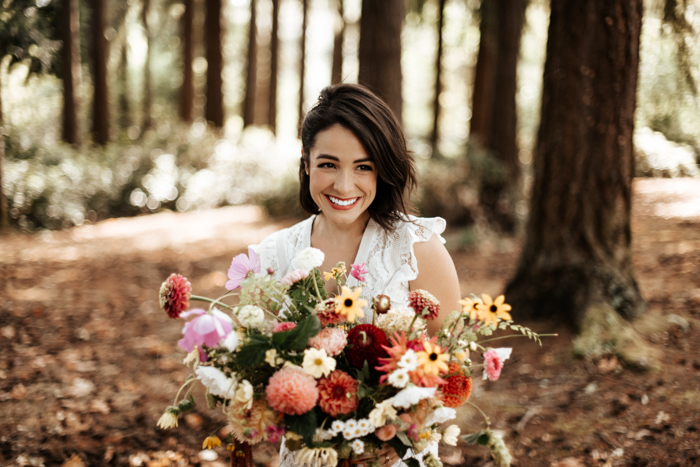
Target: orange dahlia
[458,388]
[337,393]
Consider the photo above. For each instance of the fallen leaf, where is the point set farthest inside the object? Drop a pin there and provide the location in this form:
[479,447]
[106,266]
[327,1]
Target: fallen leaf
[80,388]
[642,434]
[193,421]
[662,417]
[99,406]
[607,365]
[19,392]
[567,462]
[74,461]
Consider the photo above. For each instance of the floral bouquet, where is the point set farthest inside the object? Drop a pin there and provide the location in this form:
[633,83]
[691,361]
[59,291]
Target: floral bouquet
[288,361]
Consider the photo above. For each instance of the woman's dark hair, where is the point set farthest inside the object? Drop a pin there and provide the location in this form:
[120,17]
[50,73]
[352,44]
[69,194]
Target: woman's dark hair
[374,124]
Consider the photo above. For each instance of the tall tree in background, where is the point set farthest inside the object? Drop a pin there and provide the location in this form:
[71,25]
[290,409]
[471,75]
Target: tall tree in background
[70,52]
[494,118]
[251,68]
[577,256]
[100,101]
[147,86]
[338,40]
[124,118]
[214,109]
[274,61]
[187,88]
[4,214]
[435,134]
[302,61]
[380,50]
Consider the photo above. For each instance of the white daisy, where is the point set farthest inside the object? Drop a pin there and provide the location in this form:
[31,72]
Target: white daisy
[365,426]
[317,363]
[358,446]
[399,378]
[409,361]
[449,437]
[348,433]
[337,426]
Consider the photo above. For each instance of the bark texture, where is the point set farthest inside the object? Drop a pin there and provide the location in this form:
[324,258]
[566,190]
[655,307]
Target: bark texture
[187,89]
[147,86]
[251,68]
[494,121]
[100,101]
[380,50]
[577,253]
[70,54]
[435,134]
[274,64]
[214,109]
[302,62]
[4,208]
[338,40]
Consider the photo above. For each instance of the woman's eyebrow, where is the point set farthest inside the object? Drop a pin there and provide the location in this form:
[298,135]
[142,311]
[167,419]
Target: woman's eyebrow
[333,158]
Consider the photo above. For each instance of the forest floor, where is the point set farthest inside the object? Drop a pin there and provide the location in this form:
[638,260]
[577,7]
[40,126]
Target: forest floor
[88,362]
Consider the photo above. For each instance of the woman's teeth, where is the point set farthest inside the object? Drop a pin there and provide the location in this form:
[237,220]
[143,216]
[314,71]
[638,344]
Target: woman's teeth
[340,202]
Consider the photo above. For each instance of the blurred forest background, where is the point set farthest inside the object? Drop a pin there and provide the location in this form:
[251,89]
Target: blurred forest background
[116,108]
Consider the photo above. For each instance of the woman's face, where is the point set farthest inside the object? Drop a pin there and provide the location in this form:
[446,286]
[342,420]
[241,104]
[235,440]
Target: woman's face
[343,178]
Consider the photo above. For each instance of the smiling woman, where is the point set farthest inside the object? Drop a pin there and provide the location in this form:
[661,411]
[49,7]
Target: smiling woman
[356,175]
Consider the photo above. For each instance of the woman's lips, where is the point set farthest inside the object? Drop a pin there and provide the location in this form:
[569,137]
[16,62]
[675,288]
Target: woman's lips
[342,207]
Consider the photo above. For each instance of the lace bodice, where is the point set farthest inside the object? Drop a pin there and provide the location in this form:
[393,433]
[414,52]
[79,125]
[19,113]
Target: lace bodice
[389,256]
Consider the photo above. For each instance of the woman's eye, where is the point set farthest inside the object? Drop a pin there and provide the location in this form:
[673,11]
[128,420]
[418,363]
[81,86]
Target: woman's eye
[365,168]
[326,165]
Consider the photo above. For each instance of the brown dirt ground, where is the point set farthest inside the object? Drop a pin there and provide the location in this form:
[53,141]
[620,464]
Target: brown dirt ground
[88,361]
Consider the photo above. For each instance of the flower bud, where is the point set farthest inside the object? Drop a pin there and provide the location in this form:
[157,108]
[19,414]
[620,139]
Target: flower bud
[382,304]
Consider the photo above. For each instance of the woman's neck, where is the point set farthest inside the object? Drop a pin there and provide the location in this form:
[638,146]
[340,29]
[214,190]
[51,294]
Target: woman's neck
[339,234]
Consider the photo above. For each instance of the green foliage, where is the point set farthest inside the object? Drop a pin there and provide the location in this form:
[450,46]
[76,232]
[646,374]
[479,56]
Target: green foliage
[304,425]
[252,353]
[298,338]
[29,32]
[480,437]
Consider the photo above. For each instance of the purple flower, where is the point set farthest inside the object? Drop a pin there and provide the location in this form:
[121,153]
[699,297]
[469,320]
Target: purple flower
[274,433]
[206,329]
[358,271]
[241,266]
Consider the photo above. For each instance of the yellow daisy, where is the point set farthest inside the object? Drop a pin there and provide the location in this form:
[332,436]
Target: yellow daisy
[491,310]
[210,442]
[349,304]
[328,276]
[470,306]
[432,360]
[335,273]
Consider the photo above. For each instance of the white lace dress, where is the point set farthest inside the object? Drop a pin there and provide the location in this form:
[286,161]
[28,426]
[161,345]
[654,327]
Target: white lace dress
[389,258]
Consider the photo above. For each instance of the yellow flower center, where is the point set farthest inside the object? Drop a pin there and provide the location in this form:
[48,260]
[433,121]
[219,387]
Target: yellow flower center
[318,362]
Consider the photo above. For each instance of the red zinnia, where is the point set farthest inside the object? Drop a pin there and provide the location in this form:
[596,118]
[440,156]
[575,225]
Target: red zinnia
[337,393]
[174,295]
[420,299]
[367,343]
[458,388]
[325,312]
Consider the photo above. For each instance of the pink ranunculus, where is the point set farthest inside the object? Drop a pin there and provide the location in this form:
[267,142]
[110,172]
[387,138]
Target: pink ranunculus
[241,266]
[206,329]
[493,362]
[294,276]
[284,326]
[386,432]
[358,271]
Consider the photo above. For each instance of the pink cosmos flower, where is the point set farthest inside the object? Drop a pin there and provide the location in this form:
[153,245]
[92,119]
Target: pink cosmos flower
[241,266]
[358,271]
[284,326]
[493,360]
[206,329]
[294,276]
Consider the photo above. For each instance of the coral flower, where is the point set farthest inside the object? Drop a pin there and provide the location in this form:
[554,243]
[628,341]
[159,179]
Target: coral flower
[291,391]
[491,310]
[284,326]
[338,393]
[421,300]
[432,360]
[174,295]
[458,388]
[210,442]
[493,362]
[358,271]
[241,266]
[349,304]
[206,329]
[332,340]
[326,314]
[471,306]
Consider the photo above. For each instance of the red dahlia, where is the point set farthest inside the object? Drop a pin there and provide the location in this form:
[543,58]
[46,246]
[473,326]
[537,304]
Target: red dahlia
[337,393]
[366,341]
[420,299]
[458,388]
[174,295]
[325,312]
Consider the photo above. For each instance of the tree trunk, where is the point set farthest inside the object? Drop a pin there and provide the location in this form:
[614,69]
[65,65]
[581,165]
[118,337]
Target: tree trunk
[147,87]
[4,208]
[100,102]
[577,253]
[435,135]
[70,53]
[274,60]
[494,118]
[302,62]
[337,64]
[214,111]
[124,109]
[187,89]
[380,50]
[252,68]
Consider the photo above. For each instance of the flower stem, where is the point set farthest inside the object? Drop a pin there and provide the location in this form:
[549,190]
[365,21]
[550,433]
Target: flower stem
[211,300]
[318,293]
[516,335]
[188,381]
[486,419]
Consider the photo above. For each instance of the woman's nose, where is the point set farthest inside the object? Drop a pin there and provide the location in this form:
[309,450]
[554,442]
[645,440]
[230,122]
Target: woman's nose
[343,182]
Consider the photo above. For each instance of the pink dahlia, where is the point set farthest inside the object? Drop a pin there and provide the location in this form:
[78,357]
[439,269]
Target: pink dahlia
[208,328]
[241,266]
[332,340]
[284,326]
[420,299]
[358,271]
[493,362]
[174,295]
[294,276]
[338,393]
[292,391]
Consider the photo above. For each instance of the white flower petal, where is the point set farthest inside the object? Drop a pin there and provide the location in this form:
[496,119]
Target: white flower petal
[440,415]
[411,396]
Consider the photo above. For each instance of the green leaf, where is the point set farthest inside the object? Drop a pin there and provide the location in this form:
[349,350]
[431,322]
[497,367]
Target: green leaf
[473,438]
[404,439]
[253,352]
[298,338]
[411,462]
[398,446]
[365,370]
[304,425]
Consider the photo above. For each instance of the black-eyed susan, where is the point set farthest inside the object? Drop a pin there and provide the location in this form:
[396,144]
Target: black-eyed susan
[491,310]
[349,304]
[210,442]
[431,360]
[470,306]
